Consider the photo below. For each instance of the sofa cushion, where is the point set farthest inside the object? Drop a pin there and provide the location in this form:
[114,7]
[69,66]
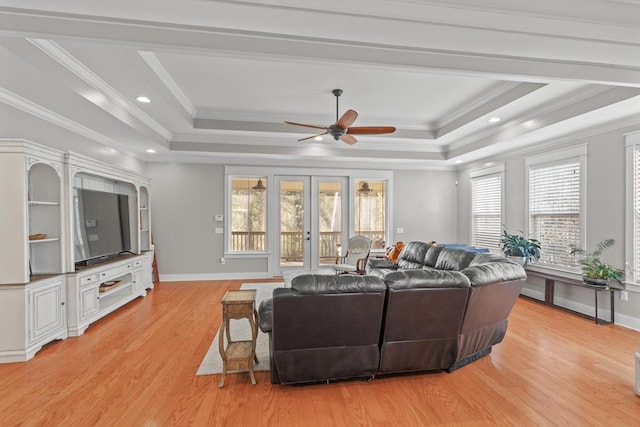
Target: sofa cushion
[426,278]
[431,257]
[412,256]
[313,284]
[454,259]
[381,263]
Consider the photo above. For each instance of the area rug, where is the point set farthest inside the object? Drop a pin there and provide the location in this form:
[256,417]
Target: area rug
[240,330]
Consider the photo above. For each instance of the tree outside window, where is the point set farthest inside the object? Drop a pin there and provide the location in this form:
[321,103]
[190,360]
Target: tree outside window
[370,203]
[248,214]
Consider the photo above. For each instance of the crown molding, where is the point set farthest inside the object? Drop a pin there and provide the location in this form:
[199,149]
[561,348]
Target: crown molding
[64,58]
[156,66]
[369,47]
[36,110]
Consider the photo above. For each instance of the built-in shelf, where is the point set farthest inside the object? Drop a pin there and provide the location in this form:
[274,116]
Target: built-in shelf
[116,288]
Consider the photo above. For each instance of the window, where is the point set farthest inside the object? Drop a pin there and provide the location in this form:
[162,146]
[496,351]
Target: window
[486,209]
[556,203]
[632,275]
[370,209]
[248,214]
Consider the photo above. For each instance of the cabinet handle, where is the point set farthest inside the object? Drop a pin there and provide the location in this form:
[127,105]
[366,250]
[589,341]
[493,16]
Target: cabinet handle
[62,303]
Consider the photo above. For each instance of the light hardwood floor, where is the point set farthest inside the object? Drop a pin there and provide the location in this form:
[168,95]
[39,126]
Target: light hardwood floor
[137,368]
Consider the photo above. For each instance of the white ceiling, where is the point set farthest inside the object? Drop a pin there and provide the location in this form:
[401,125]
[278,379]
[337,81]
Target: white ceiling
[224,75]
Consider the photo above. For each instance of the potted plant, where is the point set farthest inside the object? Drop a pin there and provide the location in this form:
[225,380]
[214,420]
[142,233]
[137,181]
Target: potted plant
[594,271]
[519,248]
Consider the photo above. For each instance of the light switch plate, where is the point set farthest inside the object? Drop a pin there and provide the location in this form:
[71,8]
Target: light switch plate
[219,230]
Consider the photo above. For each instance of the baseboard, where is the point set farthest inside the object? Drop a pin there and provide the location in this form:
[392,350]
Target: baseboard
[214,276]
[589,310]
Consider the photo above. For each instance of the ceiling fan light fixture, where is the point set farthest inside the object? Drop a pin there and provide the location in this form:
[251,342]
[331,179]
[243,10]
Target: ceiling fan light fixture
[342,129]
[259,186]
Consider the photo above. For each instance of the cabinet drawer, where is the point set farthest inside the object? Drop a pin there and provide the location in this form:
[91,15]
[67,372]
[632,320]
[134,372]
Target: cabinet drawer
[87,280]
[115,272]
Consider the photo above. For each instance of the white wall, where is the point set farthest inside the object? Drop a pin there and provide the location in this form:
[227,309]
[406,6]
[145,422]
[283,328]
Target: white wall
[605,213]
[185,198]
[425,206]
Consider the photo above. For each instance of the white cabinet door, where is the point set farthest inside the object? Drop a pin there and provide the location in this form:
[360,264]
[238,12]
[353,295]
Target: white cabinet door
[89,302]
[138,280]
[47,311]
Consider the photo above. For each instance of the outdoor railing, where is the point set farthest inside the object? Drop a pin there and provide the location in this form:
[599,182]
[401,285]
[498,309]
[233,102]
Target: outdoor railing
[291,243]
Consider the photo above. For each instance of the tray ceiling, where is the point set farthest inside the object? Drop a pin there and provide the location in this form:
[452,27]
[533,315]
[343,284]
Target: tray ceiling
[223,76]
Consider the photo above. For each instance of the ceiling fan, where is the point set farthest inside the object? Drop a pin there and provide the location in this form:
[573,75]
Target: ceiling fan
[342,129]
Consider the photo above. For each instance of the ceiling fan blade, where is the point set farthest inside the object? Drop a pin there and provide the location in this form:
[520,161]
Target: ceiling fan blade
[348,139]
[312,136]
[347,119]
[306,125]
[371,130]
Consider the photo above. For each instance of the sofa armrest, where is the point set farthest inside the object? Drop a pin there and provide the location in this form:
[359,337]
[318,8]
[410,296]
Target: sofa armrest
[494,272]
[265,315]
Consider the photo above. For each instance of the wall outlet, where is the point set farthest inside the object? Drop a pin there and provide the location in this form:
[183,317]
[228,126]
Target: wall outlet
[222,260]
[399,230]
[218,218]
[624,295]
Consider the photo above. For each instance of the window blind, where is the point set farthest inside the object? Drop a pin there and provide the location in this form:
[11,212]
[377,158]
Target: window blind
[486,211]
[554,210]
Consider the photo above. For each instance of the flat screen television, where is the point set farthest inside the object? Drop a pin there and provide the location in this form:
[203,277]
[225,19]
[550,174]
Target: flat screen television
[101,225]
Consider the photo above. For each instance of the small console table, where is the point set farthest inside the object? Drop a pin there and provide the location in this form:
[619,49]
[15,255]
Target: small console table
[238,354]
[549,289]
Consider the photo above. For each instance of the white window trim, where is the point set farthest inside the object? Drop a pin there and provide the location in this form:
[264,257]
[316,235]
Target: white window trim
[269,173]
[632,143]
[228,253]
[478,173]
[578,152]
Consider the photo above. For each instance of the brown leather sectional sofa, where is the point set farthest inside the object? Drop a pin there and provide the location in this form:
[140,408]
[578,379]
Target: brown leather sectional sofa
[437,309]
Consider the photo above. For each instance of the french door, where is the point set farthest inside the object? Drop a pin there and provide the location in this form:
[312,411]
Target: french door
[312,221]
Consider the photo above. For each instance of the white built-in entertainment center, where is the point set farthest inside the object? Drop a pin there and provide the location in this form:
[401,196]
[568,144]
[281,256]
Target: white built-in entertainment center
[45,294]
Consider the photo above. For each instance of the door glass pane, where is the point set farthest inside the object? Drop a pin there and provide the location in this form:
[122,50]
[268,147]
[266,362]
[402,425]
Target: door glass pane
[370,210]
[291,223]
[248,214]
[330,220]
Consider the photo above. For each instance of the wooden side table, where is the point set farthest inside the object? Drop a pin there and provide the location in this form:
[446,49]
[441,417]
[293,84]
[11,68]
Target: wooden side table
[238,354]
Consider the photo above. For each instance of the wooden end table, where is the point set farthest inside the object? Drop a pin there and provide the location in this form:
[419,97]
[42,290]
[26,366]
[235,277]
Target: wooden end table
[238,354]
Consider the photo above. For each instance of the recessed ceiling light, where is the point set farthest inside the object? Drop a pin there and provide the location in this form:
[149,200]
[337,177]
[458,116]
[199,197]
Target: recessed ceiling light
[318,138]
[458,161]
[143,99]
[150,150]
[489,164]
[494,119]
